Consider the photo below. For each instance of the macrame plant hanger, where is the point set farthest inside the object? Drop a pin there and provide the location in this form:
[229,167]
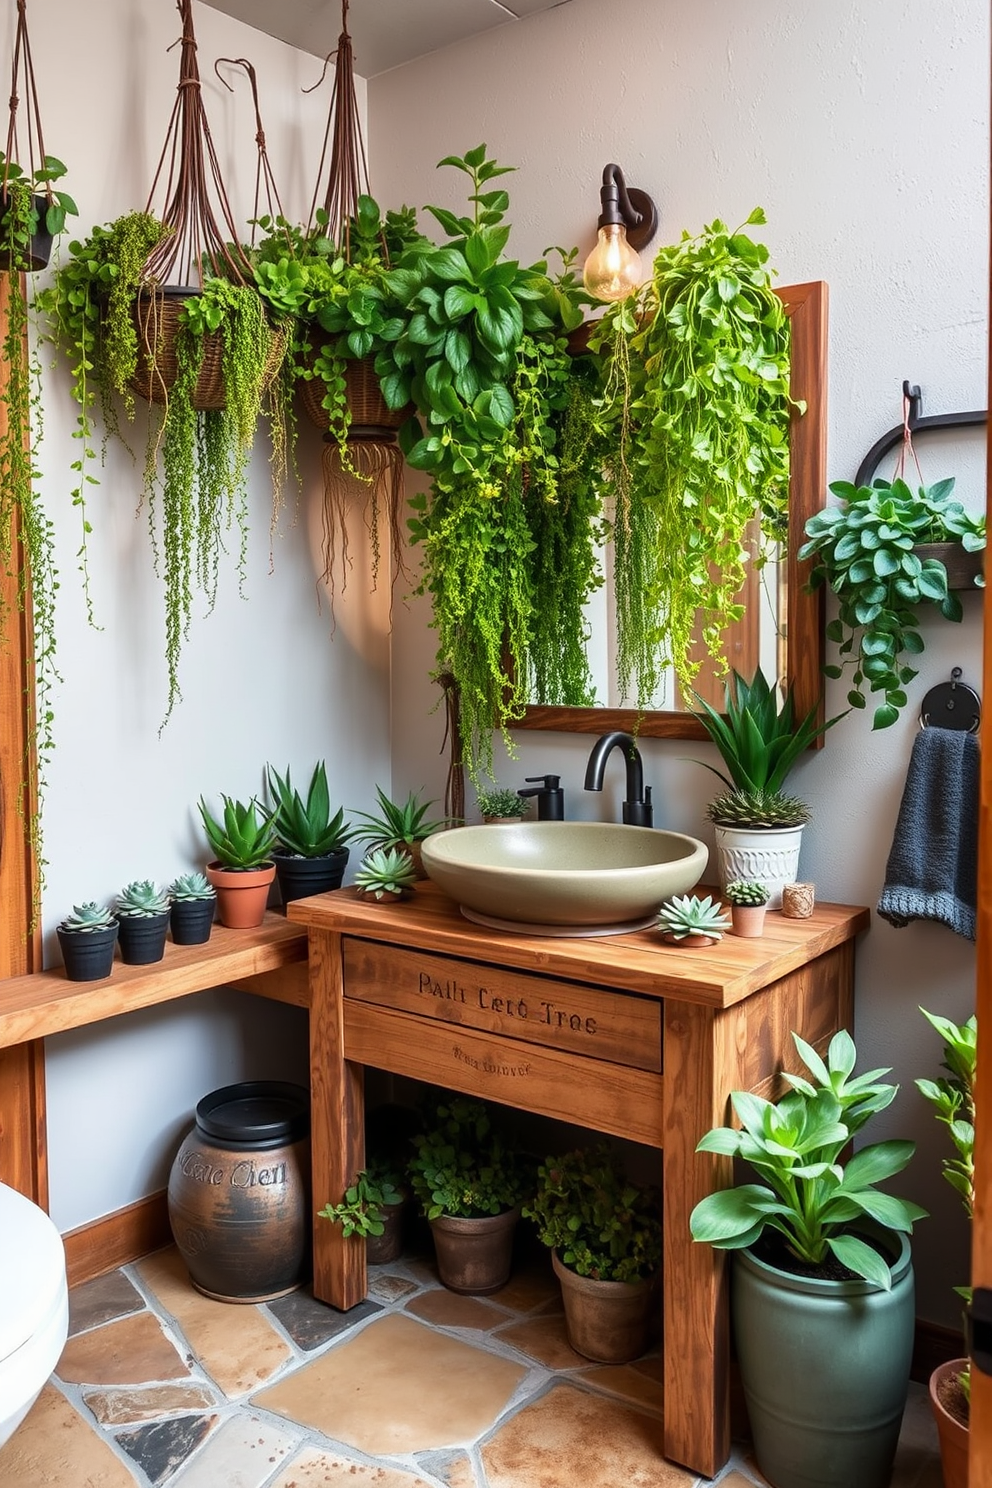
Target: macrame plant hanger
[22,75]
[373,456]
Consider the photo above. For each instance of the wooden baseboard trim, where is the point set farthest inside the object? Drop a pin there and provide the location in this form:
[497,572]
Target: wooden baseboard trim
[118,1238]
[933,1345]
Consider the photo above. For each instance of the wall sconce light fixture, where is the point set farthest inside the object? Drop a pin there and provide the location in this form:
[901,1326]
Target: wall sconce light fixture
[628,221]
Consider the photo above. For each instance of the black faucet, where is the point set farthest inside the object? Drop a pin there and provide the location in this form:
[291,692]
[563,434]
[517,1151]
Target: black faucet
[637,808]
[550,796]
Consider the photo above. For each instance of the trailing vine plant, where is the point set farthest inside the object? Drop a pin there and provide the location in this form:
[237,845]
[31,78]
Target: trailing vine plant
[696,371]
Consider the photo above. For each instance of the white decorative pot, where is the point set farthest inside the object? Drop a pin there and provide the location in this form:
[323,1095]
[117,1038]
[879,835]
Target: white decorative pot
[768,855]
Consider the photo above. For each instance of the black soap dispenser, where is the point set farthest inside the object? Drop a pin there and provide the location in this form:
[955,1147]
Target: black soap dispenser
[550,796]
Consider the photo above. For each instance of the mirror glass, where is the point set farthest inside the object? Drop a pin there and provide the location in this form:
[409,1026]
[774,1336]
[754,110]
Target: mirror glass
[782,629]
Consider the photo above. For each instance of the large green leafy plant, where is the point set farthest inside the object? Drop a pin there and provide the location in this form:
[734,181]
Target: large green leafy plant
[863,549]
[807,1195]
[462,1165]
[697,402]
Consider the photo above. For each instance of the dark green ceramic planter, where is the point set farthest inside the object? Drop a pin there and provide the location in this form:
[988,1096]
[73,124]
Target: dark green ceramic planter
[301,877]
[825,1368]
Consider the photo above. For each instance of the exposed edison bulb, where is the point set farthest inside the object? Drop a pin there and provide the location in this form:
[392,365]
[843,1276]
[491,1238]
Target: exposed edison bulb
[613,269]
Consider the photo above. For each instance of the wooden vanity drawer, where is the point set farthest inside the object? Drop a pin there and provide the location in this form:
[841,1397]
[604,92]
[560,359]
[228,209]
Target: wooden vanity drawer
[613,1026]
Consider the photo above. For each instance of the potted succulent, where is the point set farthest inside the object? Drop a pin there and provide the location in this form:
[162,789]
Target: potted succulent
[758,827]
[386,873]
[469,1184]
[194,900]
[402,825]
[822,1290]
[142,911]
[501,804]
[952,1097]
[867,550]
[312,851]
[243,868]
[605,1237]
[372,1208]
[87,938]
[748,901]
[690,921]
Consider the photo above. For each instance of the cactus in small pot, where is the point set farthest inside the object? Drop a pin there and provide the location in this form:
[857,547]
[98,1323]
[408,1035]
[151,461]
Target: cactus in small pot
[748,901]
[87,937]
[193,902]
[386,873]
[690,921]
[143,917]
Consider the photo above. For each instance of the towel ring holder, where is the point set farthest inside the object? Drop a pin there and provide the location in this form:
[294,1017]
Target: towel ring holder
[952,705]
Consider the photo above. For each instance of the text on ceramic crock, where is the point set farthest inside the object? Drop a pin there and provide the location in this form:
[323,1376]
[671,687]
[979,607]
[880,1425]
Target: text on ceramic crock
[243,1175]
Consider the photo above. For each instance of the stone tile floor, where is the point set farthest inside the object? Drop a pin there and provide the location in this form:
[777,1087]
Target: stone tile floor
[415,1388]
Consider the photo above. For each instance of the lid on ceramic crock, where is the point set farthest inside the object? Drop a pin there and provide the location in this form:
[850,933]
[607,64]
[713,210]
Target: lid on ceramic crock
[255,1111]
[32,1269]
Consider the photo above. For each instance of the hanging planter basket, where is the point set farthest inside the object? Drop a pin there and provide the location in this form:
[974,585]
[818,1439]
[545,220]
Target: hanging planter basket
[371,416]
[157,319]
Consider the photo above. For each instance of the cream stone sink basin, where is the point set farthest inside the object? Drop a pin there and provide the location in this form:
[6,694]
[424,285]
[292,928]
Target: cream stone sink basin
[559,875]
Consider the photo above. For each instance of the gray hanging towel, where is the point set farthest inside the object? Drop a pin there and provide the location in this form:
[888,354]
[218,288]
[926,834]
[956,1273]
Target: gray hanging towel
[932,872]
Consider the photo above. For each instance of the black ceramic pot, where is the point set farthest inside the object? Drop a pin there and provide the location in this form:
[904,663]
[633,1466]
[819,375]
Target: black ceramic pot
[301,877]
[191,920]
[88,954]
[37,254]
[142,938]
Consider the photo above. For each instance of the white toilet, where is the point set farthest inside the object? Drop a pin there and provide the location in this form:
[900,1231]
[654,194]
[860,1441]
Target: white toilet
[34,1305]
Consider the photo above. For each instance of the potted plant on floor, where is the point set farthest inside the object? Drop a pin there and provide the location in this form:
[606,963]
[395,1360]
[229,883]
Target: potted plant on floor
[823,1284]
[142,911]
[372,1208]
[867,549]
[469,1184]
[386,874]
[758,827]
[605,1237]
[748,902]
[87,938]
[243,867]
[194,901]
[312,851]
[952,1097]
[402,825]
[690,921]
[501,805]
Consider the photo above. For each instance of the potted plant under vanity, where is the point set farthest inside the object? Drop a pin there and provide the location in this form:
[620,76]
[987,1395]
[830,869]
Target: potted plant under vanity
[604,1234]
[469,1184]
[748,902]
[386,874]
[142,911]
[952,1097]
[875,550]
[399,824]
[312,851]
[689,921]
[758,827]
[87,938]
[501,805]
[372,1207]
[822,1294]
[243,867]
[194,900]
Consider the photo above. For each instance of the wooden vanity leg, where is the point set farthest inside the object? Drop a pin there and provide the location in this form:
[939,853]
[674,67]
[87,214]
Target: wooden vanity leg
[337,1125]
[697,1318]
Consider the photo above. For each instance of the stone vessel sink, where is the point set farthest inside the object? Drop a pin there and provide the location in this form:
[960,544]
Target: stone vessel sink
[562,874]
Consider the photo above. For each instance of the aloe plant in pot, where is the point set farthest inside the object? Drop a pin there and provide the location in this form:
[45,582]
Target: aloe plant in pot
[243,840]
[823,1295]
[312,851]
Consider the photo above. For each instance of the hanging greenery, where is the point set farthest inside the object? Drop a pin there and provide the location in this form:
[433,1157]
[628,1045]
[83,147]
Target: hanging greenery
[696,370]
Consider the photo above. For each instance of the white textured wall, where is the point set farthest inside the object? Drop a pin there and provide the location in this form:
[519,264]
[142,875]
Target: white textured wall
[863,134]
[263,678]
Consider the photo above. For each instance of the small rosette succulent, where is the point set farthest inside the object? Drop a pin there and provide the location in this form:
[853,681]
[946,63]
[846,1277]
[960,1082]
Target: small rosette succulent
[386,870]
[687,915]
[141,899]
[89,916]
[190,887]
[745,892]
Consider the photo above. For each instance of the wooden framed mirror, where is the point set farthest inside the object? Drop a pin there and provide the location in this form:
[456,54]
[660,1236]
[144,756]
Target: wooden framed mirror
[801,626]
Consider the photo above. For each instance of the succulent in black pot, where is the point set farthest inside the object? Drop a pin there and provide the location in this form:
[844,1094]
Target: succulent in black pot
[191,915]
[87,937]
[143,921]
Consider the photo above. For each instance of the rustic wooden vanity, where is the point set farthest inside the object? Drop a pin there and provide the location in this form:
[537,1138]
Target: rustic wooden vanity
[623,1035]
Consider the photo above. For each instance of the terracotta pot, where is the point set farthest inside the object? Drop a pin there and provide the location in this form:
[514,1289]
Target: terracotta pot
[748,920]
[474,1255]
[415,849]
[242,894]
[607,1321]
[694,942]
[380,1249]
[502,821]
[953,1434]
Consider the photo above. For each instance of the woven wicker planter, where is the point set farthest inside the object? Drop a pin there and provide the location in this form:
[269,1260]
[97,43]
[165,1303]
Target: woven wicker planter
[156,320]
[371,418]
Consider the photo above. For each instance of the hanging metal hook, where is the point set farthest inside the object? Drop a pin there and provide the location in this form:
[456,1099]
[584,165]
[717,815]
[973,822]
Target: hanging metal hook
[952,705]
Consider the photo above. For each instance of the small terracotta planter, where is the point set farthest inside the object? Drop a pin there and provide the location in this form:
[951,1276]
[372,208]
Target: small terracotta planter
[748,920]
[381,1249]
[694,942]
[607,1321]
[947,1404]
[242,894]
[474,1255]
[502,821]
